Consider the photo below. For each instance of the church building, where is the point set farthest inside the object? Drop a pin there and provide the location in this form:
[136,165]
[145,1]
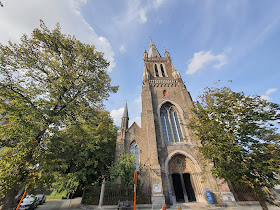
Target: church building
[166,150]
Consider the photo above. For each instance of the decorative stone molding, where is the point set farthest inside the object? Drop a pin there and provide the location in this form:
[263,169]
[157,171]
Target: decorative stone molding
[194,169]
[166,81]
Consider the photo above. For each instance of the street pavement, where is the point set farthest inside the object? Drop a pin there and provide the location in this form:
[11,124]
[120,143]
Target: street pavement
[60,204]
[238,207]
[254,207]
[75,205]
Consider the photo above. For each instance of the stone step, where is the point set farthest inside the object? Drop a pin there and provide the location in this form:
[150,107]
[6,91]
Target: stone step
[194,205]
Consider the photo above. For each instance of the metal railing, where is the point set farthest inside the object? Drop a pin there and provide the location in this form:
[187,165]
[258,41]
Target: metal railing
[115,193]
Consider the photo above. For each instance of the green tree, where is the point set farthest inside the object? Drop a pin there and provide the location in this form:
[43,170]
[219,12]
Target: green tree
[124,169]
[83,152]
[238,134]
[47,82]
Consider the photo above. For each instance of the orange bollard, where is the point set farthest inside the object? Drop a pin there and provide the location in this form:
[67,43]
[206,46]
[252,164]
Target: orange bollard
[179,208]
[164,207]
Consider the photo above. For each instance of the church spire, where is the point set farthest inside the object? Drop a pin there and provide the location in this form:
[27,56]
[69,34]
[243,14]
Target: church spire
[153,52]
[125,112]
[125,118]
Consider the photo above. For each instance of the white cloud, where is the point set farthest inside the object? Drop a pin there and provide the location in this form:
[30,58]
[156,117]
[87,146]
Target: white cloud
[265,97]
[109,55]
[18,17]
[138,11]
[202,59]
[142,15]
[137,120]
[158,3]
[138,100]
[122,49]
[117,115]
[268,92]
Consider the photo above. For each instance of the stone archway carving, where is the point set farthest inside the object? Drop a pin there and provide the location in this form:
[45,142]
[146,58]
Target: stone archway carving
[178,164]
[182,162]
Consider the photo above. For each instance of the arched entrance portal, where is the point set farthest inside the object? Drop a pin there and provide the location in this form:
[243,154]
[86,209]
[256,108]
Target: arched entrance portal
[183,179]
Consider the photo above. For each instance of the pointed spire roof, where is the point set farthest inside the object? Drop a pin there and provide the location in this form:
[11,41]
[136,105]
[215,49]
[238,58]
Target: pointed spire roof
[125,112]
[153,52]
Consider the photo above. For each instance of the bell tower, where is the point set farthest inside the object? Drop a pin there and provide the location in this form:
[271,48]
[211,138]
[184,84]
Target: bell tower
[166,108]
[164,147]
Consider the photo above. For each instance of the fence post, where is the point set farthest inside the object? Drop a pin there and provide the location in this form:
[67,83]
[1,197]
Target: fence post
[101,198]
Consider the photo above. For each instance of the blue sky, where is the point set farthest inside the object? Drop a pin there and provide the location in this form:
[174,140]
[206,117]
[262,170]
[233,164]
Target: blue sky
[208,41]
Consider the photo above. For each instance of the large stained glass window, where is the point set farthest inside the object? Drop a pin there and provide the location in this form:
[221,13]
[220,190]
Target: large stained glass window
[135,152]
[171,129]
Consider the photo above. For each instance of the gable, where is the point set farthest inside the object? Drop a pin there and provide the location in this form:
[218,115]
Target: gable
[134,128]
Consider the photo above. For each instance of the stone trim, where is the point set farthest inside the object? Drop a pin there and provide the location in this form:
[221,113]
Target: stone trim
[196,175]
[157,59]
[155,81]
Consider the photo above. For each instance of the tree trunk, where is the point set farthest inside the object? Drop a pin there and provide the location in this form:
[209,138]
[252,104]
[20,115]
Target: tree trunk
[263,204]
[83,196]
[261,198]
[7,202]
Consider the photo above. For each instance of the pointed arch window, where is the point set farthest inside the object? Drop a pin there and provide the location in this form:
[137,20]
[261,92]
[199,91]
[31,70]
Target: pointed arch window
[162,70]
[171,129]
[134,150]
[156,70]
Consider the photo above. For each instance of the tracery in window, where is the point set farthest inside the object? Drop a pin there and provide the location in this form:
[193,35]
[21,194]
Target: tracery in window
[171,130]
[162,70]
[156,70]
[134,150]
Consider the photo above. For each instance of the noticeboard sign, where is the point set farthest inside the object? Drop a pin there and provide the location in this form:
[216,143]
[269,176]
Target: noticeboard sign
[157,188]
[209,196]
[170,197]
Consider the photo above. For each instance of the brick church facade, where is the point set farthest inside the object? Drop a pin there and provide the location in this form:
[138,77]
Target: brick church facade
[165,149]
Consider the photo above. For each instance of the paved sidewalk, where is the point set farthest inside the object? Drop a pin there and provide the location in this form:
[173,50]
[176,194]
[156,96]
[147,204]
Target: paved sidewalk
[75,205]
[239,207]
[230,208]
[61,204]
[253,207]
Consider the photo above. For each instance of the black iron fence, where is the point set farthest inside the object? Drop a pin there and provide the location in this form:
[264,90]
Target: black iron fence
[92,196]
[115,193]
[243,192]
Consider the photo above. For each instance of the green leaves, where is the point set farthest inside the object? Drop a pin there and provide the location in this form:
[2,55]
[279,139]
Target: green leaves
[238,134]
[124,169]
[85,149]
[52,89]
